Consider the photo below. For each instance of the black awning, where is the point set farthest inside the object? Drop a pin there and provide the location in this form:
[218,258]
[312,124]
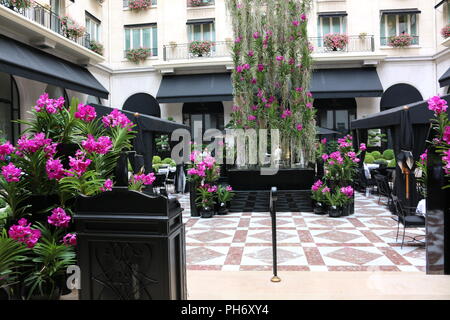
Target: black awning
[419,113]
[440,4]
[346,83]
[22,60]
[401,11]
[195,88]
[445,79]
[200,21]
[332,14]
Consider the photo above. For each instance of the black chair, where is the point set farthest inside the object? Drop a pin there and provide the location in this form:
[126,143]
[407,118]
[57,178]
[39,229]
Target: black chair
[170,180]
[383,188]
[160,182]
[408,218]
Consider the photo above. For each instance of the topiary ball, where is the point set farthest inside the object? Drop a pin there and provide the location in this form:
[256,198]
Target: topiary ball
[167,161]
[392,163]
[156,159]
[388,154]
[376,155]
[369,159]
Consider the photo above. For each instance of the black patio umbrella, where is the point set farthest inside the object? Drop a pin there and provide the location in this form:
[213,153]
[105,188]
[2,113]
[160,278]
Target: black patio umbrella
[323,131]
[405,158]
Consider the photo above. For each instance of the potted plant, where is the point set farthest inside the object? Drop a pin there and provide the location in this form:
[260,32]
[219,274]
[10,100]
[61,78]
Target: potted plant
[139,180]
[348,200]
[318,197]
[224,196]
[336,201]
[39,182]
[362,36]
[445,31]
[400,41]
[138,55]
[205,200]
[97,47]
[335,41]
[200,48]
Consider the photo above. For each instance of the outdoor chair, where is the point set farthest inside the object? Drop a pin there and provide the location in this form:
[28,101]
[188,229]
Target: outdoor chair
[159,182]
[408,218]
[170,180]
[383,188]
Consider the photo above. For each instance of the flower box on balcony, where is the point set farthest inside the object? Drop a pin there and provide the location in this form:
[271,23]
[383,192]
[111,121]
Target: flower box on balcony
[138,5]
[19,4]
[200,48]
[401,41]
[138,55]
[71,29]
[445,31]
[335,41]
[200,3]
[97,47]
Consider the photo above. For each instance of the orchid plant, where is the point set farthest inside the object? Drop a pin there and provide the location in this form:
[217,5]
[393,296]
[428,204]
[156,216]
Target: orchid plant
[224,194]
[441,125]
[38,165]
[272,58]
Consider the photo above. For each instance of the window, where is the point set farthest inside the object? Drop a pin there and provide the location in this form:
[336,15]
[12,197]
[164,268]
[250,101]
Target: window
[9,108]
[397,24]
[336,115]
[447,16]
[56,6]
[201,32]
[142,37]
[208,115]
[93,27]
[330,24]
[199,3]
[125,3]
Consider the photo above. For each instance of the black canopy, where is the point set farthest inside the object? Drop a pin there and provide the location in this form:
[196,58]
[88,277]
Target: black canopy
[146,127]
[346,83]
[409,126]
[25,61]
[445,79]
[195,88]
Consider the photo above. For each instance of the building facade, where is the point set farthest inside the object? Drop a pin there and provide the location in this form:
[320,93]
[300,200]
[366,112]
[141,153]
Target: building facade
[363,77]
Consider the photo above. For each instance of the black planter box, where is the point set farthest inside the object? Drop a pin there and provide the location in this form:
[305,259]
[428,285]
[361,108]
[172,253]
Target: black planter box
[131,246]
[284,179]
[438,218]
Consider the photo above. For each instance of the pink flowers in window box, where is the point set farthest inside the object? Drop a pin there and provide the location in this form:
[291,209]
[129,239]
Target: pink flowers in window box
[445,31]
[139,4]
[200,48]
[401,41]
[138,55]
[335,41]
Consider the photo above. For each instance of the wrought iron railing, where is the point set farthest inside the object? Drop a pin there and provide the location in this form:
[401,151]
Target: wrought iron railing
[182,51]
[384,41]
[361,43]
[48,19]
[199,3]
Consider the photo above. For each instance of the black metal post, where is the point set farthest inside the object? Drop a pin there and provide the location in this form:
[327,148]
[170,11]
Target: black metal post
[273,215]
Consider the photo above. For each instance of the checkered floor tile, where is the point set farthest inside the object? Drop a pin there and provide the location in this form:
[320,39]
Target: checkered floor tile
[241,241]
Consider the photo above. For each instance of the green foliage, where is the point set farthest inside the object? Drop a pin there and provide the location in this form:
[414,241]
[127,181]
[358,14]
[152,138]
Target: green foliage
[375,138]
[50,263]
[223,195]
[15,195]
[392,163]
[205,198]
[169,161]
[162,142]
[87,184]
[369,159]
[376,155]
[388,154]
[332,146]
[12,253]
[156,159]
[381,161]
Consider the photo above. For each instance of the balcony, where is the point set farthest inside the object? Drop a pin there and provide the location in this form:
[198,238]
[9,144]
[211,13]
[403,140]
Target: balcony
[199,3]
[45,29]
[355,44]
[182,52]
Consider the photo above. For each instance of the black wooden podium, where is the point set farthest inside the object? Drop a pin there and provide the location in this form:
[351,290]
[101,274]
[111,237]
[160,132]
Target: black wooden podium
[131,246]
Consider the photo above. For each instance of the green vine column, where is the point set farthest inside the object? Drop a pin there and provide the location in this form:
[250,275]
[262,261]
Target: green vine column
[273,65]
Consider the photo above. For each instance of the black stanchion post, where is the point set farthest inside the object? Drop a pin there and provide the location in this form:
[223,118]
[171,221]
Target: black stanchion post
[273,215]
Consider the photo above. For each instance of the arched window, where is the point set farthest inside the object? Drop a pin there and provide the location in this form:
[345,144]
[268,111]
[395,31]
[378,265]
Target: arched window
[143,103]
[399,95]
[9,108]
